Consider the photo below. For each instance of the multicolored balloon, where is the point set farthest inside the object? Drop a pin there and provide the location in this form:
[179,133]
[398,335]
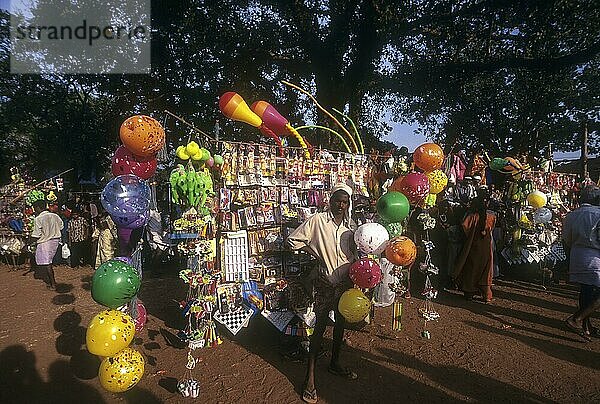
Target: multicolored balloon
[276,122]
[233,106]
[365,273]
[109,332]
[144,136]
[121,372]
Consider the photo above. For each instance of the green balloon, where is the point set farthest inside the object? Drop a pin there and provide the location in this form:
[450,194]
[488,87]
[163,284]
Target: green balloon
[218,160]
[498,163]
[205,155]
[393,229]
[115,283]
[393,206]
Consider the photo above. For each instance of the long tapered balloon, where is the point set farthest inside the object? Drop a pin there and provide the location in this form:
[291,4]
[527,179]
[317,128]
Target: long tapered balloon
[278,123]
[303,91]
[233,106]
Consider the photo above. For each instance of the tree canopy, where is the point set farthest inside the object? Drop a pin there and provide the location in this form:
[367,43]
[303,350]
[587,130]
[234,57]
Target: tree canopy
[507,74]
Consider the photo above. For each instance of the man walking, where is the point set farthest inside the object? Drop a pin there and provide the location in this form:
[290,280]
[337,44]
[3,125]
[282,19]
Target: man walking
[47,233]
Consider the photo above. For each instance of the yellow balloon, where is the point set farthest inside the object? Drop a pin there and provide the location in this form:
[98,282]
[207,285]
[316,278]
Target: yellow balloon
[109,332]
[181,153]
[354,305]
[192,148]
[537,199]
[197,156]
[437,181]
[122,371]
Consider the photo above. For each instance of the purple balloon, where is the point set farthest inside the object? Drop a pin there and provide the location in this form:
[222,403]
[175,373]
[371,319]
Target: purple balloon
[131,220]
[125,196]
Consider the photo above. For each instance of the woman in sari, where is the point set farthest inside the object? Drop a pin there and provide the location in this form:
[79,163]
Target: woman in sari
[474,266]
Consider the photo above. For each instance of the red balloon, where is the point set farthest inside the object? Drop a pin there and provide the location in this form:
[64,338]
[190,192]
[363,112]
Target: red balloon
[365,273]
[415,186]
[142,316]
[125,162]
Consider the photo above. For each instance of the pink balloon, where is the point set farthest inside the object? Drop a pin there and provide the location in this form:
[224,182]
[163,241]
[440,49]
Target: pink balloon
[124,162]
[365,273]
[210,162]
[271,117]
[415,186]
[142,316]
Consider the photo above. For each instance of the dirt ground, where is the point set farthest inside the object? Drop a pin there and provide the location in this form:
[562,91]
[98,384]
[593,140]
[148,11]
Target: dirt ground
[512,350]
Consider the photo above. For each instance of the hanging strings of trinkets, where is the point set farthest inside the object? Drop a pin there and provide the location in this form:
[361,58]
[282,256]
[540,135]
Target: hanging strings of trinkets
[427,310]
[198,307]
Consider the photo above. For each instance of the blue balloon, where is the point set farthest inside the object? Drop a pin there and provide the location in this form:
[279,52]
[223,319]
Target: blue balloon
[131,221]
[126,196]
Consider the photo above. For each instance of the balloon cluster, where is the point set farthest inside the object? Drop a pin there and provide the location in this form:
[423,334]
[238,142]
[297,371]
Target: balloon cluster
[110,332]
[116,282]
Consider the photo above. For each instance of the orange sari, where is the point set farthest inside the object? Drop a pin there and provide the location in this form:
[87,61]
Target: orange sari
[474,266]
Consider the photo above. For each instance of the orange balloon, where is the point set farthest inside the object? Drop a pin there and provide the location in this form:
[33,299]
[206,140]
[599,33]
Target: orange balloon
[233,106]
[142,135]
[428,157]
[401,251]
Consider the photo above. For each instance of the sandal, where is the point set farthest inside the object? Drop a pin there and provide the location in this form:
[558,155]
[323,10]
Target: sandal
[345,373]
[309,396]
[577,330]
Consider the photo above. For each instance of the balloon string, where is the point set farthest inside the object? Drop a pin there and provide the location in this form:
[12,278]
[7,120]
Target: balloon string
[324,111]
[327,129]
[360,143]
[268,132]
[300,140]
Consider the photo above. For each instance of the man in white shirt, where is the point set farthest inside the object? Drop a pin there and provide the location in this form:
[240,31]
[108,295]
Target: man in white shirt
[47,233]
[329,237]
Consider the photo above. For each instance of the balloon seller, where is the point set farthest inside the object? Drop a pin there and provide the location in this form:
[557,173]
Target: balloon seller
[328,236]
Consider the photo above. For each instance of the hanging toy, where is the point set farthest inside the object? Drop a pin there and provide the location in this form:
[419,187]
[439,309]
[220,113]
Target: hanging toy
[276,122]
[233,106]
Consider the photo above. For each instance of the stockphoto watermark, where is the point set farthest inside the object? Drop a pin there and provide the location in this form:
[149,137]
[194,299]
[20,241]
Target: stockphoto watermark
[80,37]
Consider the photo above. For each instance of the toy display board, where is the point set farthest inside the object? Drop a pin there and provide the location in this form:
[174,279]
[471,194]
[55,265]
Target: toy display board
[234,256]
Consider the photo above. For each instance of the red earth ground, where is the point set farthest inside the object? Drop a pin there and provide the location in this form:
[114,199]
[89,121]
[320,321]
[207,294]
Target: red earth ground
[515,349]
